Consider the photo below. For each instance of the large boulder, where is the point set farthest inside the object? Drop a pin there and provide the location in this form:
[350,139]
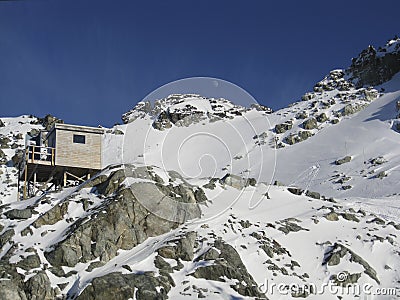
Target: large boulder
[322,118]
[237,182]
[310,123]
[48,121]
[308,96]
[38,287]
[9,290]
[350,109]
[3,157]
[20,214]
[281,128]
[183,248]
[4,142]
[227,264]
[119,286]
[370,94]
[343,160]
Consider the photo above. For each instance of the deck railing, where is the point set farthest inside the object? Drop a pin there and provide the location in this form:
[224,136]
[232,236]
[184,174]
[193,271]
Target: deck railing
[40,155]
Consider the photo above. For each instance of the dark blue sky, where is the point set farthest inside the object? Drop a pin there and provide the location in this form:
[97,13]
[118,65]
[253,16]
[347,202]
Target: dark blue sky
[88,62]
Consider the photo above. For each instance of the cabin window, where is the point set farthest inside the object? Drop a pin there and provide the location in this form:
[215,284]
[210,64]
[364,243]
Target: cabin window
[79,139]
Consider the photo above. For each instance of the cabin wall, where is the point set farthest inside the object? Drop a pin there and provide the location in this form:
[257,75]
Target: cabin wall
[70,154]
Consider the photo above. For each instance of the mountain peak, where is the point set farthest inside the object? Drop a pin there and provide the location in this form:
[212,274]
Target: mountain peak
[374,67]
[185,109]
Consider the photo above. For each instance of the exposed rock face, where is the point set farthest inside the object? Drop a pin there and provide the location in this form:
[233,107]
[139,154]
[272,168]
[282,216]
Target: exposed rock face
[227,264]
[310,123]
[263,108]
[343,160]
[3,157]
[5,237]
[4,141]
[332,216]
[141,210]
[237,182]
[18,158]
[302,115]
[130,286]
[314,195]
[374,67]
[19,214]
[338,251]
[9,290]
[281,128]
[184,110]
[48,121]
[350,109]
[308,96]
[335,80]
[141,110]
[183,249]
[297,138]
[38,287]
[322,118]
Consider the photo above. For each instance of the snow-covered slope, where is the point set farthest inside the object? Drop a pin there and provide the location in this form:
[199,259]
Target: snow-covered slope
[250,142]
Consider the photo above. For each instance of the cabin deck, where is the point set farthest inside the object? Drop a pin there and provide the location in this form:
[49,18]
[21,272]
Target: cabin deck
[39,166]
[67,154]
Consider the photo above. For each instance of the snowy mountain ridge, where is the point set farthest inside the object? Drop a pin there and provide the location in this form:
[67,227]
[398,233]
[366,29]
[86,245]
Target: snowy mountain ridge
[202,198]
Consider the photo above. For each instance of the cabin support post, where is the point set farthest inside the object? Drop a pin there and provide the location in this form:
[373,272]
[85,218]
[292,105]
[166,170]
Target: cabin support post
[65,179]
[18,184]
[34,183]
[25,181]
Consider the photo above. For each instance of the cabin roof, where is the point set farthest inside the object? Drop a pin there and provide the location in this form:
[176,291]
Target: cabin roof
[77,128]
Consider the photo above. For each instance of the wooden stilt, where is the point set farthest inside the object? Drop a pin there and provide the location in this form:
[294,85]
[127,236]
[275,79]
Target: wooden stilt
[18,184]
[25,182]
[34,183]
[65,178]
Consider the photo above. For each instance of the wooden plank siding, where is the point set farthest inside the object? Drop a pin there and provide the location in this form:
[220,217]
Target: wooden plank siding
[70,154]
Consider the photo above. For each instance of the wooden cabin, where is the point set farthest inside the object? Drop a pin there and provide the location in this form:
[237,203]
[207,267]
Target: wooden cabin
[66,152]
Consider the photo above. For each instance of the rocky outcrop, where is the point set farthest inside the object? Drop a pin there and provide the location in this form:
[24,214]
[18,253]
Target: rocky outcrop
[335,80]
[237,182]
[350,109]
[38,287]
[310,124]
[281,128]
[227,264]
[19,214]
[48,121]
[119,286]
[302,135]
[374,67]
[17,158]
[3,157]
[182,249]
[343,160]
[126,218]
[4,142]
[322,118]
[337,252]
